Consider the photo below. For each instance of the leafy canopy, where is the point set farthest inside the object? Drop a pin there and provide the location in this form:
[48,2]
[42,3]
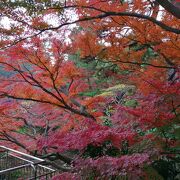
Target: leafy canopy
[94,84]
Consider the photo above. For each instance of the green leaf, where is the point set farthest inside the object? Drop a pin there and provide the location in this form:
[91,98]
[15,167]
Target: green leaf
[131,103]
[90,93]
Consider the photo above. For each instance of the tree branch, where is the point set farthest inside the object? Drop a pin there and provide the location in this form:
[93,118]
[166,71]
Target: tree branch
[56,156]
[168,6]
[75,111]
[111,13]
[147,64]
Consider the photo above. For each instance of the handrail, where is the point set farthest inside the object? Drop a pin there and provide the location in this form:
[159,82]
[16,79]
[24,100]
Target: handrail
[14,168]
[21,153]
[46,167]
[31,167]
[25,165]
[20,158]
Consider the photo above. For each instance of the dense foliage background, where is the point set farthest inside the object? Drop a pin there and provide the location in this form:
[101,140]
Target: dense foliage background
[92,86]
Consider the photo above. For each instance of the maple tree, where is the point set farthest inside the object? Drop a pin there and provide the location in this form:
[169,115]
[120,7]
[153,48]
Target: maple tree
[62,89]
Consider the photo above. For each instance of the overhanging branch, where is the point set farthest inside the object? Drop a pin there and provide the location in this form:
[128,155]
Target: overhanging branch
[126,14]
[175,11]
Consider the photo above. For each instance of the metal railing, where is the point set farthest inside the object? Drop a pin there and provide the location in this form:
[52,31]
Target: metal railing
[15,165]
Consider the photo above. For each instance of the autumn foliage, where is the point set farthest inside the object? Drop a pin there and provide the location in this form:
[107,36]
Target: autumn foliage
[97,87]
